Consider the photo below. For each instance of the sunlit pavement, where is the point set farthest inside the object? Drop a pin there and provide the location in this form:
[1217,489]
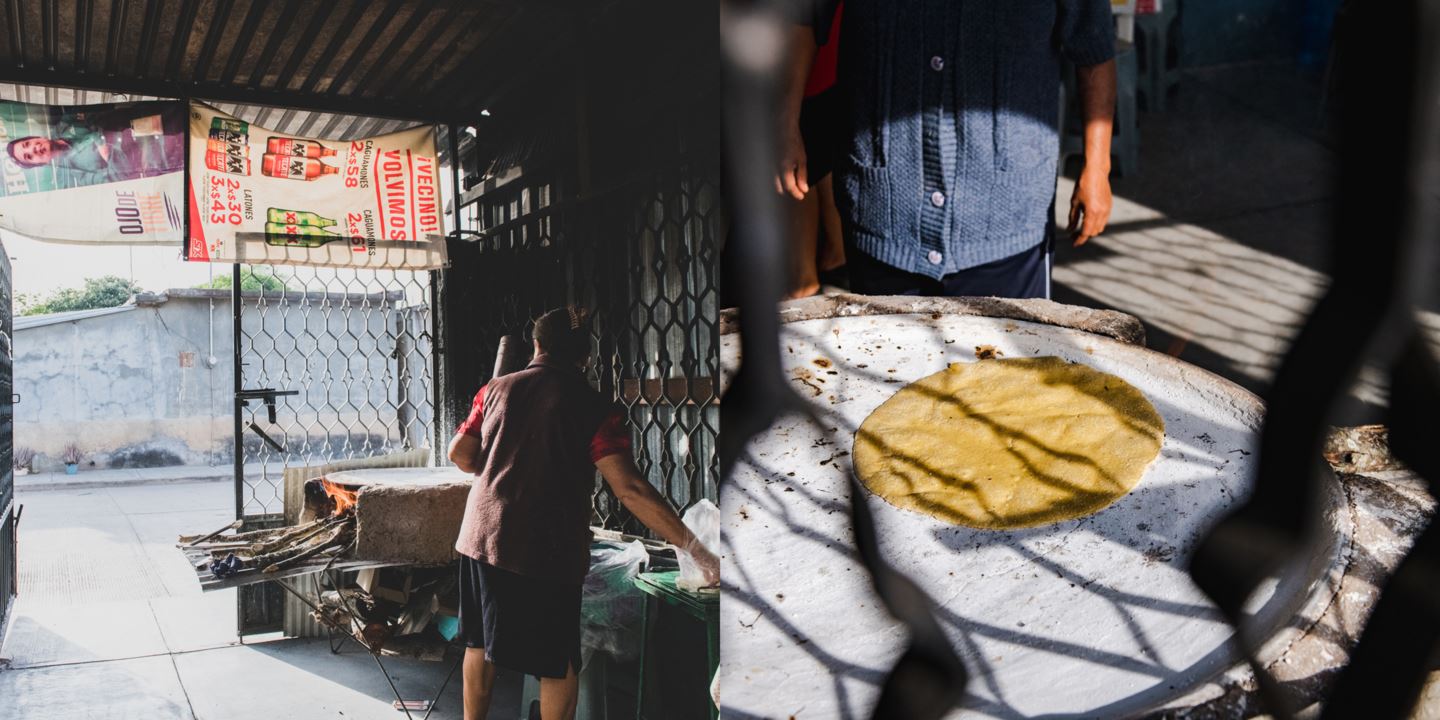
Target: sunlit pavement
[1220,243]
[111,623]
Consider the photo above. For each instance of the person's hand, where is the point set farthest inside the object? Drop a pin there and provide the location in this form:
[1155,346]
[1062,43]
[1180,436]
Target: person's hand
[707,562]
[792,178]
[1090,205]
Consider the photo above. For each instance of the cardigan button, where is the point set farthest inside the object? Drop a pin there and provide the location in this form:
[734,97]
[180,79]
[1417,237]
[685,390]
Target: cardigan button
[937,199]
[935,257]
[937,63]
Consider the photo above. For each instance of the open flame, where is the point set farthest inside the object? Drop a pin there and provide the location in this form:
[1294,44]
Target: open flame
[343,497]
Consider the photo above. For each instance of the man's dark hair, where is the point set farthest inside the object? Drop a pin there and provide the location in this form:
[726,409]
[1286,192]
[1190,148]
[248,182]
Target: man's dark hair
[10,148]
[563,333]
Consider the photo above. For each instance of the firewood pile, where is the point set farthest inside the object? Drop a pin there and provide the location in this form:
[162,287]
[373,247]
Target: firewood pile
[390,610]
[271,551]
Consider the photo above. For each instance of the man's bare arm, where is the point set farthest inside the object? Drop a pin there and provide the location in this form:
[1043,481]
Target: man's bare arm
[792,177]
[464,451]
[1090,205]
[650,508]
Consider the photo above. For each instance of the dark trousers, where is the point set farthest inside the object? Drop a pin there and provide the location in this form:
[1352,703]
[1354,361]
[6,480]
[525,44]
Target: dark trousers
[1023,275]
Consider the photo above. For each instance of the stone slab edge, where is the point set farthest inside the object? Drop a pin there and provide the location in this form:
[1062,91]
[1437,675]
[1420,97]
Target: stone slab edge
[1109,323]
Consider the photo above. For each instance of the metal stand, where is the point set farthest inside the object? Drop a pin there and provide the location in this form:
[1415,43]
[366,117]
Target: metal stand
[331,633]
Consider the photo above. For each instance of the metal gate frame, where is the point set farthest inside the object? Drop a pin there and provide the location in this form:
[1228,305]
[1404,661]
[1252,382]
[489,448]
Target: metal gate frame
[9,517]
[309,391]
[642,255]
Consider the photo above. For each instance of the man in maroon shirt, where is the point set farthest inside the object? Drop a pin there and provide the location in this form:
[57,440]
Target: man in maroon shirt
[534,439]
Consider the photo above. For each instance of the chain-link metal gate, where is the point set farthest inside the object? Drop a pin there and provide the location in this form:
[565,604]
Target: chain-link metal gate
[9,585]
[330,364]
[643,256]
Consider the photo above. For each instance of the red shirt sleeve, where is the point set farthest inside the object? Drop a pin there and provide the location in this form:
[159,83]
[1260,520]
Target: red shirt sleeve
[471,426]
[611,437]
[827,58]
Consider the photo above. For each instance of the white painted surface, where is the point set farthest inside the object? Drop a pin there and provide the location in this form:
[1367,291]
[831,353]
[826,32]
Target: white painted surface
[441,475]
[1089,617]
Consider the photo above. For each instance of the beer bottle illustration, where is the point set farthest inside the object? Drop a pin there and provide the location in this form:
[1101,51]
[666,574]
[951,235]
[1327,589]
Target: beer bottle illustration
[295,168]
[229,136]
[227,149]
[294,147]
[227,162]
[284,235]
[297,217]
[235,126]
[222,145]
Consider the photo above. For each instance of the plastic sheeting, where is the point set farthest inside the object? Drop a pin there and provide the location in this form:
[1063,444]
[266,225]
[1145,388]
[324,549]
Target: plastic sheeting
[703,519]
[610,605]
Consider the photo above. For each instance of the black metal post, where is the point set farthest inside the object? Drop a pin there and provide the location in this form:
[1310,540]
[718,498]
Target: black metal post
[239,429]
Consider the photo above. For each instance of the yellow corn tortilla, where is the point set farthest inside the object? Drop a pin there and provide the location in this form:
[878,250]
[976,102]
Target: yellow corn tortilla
[1013,443]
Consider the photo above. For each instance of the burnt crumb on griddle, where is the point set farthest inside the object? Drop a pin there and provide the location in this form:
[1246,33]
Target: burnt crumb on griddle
[1159,553]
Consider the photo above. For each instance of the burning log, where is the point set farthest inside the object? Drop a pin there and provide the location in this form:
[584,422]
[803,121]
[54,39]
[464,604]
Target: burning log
[245,539]
[270,551]
[340,539]
[300,536]
[197,540]
[384,516]
[279,556]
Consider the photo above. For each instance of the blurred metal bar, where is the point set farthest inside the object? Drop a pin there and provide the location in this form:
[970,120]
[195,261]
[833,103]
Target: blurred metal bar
[247,31]
[929,679]
[154,12]
[49,19]
[181,40]
[417,50]
[318,19]
[119,13]
[362,48]
[82,34]
[200,72]
[17,31]
[337,40]
[382,62]
[421,78]
[278,34]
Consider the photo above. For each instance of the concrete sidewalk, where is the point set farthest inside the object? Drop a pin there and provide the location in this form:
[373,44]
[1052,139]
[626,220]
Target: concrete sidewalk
[111,622]
[119,477]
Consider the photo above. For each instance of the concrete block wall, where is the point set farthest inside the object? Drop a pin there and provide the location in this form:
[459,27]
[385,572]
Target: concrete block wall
[153,385]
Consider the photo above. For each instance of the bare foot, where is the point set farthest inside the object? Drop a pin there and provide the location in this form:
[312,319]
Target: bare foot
[804,290]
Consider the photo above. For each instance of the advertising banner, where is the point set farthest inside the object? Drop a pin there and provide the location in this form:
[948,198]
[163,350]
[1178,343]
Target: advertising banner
[101,174]
[266,198]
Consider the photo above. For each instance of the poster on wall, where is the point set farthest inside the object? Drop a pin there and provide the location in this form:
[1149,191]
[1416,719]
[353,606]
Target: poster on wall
[94,174]
[266,198]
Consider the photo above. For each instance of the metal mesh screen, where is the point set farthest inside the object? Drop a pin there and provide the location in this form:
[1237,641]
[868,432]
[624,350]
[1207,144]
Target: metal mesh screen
[355,346]
[7,387]
[8,548]
[643,256]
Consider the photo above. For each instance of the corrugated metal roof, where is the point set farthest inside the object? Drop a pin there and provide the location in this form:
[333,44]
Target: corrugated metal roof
[290,122]
[438,61]
[25,322]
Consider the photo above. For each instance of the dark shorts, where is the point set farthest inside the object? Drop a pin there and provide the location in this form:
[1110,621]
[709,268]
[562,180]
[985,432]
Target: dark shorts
[1024,275]
[819,129]
[523,623]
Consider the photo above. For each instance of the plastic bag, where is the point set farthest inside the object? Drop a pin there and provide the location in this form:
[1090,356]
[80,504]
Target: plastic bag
[610,604]
[715,689]
[703,519]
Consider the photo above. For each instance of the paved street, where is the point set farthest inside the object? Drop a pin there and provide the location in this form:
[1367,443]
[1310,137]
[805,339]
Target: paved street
[1220,243]
[111,623]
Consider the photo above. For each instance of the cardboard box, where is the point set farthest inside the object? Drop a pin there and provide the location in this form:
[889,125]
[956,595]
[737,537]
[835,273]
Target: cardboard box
[389,583]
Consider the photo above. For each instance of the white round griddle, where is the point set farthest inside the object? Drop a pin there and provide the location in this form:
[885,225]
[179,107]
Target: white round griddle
[1093,617]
